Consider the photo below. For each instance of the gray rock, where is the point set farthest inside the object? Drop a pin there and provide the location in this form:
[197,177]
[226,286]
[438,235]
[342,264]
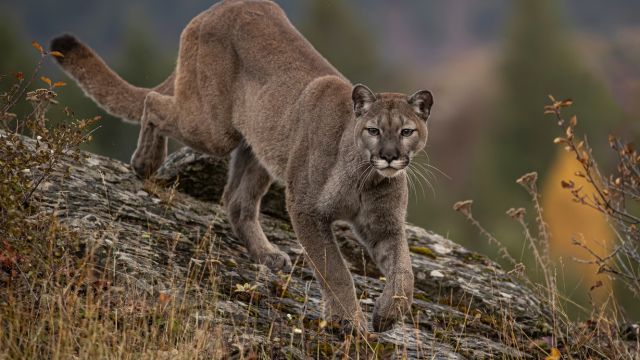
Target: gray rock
[155,235]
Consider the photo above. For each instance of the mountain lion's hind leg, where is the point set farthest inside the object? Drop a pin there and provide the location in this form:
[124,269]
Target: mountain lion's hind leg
[152,145]
[248,182]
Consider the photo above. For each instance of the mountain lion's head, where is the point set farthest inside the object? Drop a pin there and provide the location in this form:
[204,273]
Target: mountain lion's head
[390,128]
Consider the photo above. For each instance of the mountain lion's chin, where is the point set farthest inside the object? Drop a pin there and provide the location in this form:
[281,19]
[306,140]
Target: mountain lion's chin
[389,172]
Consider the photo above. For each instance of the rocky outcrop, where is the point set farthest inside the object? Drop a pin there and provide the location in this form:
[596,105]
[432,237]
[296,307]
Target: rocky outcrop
[155,235]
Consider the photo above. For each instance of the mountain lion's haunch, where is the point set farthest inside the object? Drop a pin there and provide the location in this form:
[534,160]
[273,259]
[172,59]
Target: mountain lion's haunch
[248,84]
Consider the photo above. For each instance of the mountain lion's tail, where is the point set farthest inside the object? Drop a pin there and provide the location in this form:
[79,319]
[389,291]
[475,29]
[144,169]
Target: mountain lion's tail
[99,82]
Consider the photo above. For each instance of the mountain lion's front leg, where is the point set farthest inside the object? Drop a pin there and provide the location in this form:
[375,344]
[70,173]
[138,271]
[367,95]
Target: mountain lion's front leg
[382,231]
[330,269]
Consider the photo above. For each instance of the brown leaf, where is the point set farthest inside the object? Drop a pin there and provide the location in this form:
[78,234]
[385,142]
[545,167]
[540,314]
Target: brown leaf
[628,148]
[567,184]
[37,46]
[164,299]
[566,103]
[58,84]
[9,257]
[46,80]
[596,285]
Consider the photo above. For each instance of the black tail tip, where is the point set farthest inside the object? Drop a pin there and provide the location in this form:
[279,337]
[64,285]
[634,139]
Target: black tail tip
[65,44]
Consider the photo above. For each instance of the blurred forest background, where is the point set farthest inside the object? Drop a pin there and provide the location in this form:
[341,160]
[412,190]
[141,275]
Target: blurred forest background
[491,65]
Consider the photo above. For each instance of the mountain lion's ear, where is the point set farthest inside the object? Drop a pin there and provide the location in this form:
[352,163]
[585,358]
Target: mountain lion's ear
[362,99]
[421,102]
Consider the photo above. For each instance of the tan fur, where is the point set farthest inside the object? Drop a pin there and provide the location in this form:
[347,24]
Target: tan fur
[247,83]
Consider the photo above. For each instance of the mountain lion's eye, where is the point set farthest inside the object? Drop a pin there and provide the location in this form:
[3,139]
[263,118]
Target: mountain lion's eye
[407,132]
[373,131]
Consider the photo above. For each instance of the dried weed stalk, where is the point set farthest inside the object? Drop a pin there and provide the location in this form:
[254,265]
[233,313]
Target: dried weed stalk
[617,197]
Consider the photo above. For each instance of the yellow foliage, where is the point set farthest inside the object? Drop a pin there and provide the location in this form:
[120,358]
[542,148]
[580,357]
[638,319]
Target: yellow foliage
[568,219]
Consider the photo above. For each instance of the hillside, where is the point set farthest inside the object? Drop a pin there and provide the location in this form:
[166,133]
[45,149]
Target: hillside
[162,253]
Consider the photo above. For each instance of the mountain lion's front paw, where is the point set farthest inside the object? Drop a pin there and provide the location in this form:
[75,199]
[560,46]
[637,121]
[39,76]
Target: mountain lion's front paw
[344,324]
[274,259]
[384,315]
[393,303]
[344,327]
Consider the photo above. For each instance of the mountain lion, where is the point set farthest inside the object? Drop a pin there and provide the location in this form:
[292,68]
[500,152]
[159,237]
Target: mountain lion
[247,83]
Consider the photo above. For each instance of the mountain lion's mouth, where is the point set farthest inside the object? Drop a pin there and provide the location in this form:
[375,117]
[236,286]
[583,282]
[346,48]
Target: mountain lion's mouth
[389,169]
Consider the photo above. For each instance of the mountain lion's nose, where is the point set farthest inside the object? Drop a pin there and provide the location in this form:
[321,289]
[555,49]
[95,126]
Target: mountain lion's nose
[389,155]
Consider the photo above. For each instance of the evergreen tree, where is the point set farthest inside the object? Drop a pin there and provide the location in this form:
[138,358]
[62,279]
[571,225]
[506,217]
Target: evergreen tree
[15,52]
[540,59]
[17,56]
[337,35]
